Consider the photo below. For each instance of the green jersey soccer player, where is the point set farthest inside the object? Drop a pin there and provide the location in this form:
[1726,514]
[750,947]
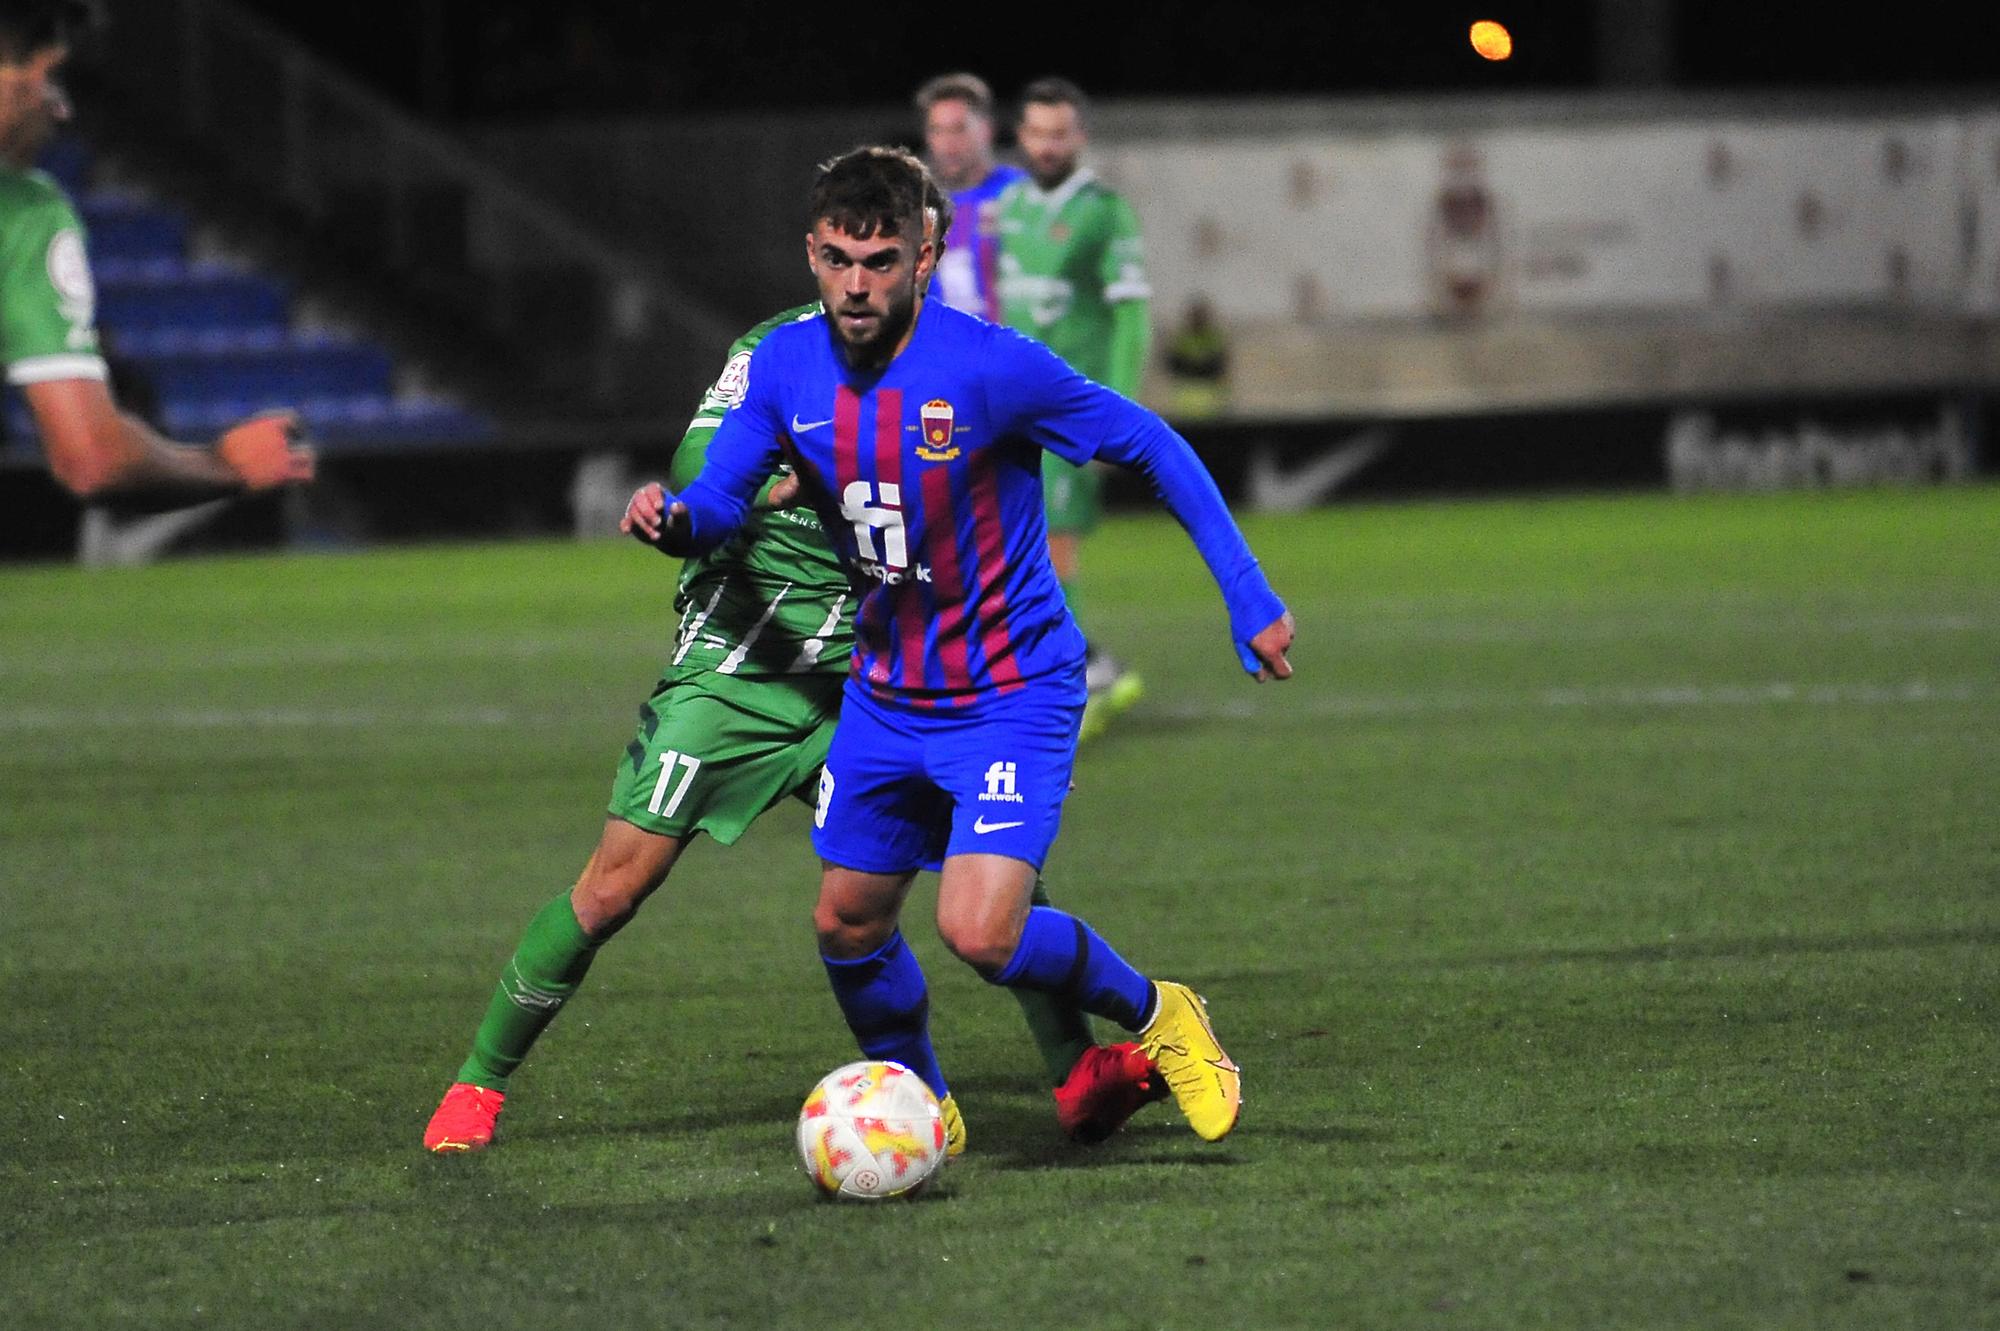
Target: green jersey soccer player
[48,331]
[741,719]
[1073,275]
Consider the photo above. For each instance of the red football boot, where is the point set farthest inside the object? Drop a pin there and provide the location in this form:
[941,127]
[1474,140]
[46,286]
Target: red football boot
[464,1119]
[1107,1085]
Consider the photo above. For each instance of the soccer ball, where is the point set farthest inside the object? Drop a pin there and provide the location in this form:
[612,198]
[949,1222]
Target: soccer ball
[871,1130]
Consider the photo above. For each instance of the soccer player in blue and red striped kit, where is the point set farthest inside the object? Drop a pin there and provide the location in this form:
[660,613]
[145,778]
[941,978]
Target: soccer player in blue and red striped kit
[958,133]
[916,432]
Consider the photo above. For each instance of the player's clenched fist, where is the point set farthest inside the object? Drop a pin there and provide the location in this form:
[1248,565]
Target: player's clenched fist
[657,519]
[1270,645]
[644,511]
[264,451]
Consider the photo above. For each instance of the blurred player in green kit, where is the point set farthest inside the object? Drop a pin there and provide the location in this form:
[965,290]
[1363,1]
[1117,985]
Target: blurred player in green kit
[48,308]
[1073,274]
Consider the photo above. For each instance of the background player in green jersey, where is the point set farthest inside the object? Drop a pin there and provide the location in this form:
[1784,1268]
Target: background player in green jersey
[48,332]
[1073,274]
[741,718]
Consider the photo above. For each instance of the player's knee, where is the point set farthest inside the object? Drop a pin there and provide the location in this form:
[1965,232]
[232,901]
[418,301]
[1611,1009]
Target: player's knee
[614,884]
[985,945]
[846,931]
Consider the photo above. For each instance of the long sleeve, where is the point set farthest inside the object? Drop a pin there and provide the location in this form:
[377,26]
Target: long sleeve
[1032,392]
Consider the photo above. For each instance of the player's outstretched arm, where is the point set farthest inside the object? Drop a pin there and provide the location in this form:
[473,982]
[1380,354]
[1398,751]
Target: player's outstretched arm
[96,450]
[1035,392]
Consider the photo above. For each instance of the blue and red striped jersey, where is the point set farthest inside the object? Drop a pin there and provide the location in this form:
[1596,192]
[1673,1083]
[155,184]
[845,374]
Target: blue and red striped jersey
[968,277]
[926,474]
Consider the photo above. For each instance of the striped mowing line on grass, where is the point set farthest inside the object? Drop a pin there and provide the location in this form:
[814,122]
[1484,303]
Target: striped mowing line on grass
[1603,696]
[1382,621]
[1295,703]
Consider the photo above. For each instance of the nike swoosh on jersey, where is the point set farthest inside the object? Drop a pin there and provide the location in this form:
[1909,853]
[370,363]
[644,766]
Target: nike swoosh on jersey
[981,826]
[802,426]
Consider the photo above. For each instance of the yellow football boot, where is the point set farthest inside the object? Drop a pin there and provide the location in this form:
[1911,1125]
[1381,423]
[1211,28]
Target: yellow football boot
[954,1128]
[1206,1084]
[1104,705]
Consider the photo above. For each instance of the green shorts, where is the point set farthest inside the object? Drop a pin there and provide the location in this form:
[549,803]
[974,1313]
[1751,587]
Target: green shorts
[713,752]
[1069,493]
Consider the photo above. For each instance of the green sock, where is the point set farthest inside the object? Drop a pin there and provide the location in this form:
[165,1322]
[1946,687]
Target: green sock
[545,970]
[1060,1028]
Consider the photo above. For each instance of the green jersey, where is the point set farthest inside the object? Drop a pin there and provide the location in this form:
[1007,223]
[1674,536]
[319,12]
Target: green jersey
[1067,256]
[48,302]
[773,599]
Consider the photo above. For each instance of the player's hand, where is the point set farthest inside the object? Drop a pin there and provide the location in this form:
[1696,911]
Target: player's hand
[644,511]
[784,492]
[1270,646]
[265,453]
[658,519]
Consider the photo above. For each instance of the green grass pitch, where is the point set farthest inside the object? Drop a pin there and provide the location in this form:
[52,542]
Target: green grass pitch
[1607,920]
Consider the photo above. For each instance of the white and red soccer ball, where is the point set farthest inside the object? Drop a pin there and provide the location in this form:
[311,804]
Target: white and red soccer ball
[871,1130]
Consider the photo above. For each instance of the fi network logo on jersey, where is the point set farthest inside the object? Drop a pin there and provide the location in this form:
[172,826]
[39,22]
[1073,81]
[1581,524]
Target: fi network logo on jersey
[937,445]
[1000,784]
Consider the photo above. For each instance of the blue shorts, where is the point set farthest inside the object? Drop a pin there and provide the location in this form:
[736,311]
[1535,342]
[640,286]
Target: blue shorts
[904,788]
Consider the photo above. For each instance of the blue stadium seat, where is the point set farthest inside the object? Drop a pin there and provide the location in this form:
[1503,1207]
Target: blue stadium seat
[336,422]
[197,299]
[352,368]
[118,227]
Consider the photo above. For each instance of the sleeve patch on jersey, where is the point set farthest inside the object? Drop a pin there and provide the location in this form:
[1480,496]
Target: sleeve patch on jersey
[69,270]
[734,382]
[69,274]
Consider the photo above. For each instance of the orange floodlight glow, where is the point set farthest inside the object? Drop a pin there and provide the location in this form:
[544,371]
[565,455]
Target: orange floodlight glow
[1492,40]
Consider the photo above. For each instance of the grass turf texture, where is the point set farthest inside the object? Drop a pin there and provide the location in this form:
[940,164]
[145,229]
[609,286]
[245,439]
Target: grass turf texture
[1605,919]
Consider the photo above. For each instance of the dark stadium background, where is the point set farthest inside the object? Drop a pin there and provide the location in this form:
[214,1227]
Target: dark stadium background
[470,59]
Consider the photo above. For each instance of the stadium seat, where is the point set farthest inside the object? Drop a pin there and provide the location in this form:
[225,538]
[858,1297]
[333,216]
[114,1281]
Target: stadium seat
[354,369]
[122,227]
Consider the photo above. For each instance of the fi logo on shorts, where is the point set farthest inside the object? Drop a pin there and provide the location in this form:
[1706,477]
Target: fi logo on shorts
[1000,784]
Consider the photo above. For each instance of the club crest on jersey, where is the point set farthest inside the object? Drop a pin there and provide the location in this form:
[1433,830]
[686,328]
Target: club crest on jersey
[937,445]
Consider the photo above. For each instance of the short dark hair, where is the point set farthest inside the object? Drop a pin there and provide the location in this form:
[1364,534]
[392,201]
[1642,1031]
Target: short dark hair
[28,26]
[1054,91]
[937,199]
[875,189]
[961,87]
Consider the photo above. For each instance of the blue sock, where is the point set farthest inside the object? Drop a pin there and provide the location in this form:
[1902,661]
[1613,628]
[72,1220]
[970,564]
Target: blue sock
[1061,955]
[888,1007]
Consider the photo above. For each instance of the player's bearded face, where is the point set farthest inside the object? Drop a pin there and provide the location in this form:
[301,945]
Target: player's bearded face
[869,287]
[1051,139]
